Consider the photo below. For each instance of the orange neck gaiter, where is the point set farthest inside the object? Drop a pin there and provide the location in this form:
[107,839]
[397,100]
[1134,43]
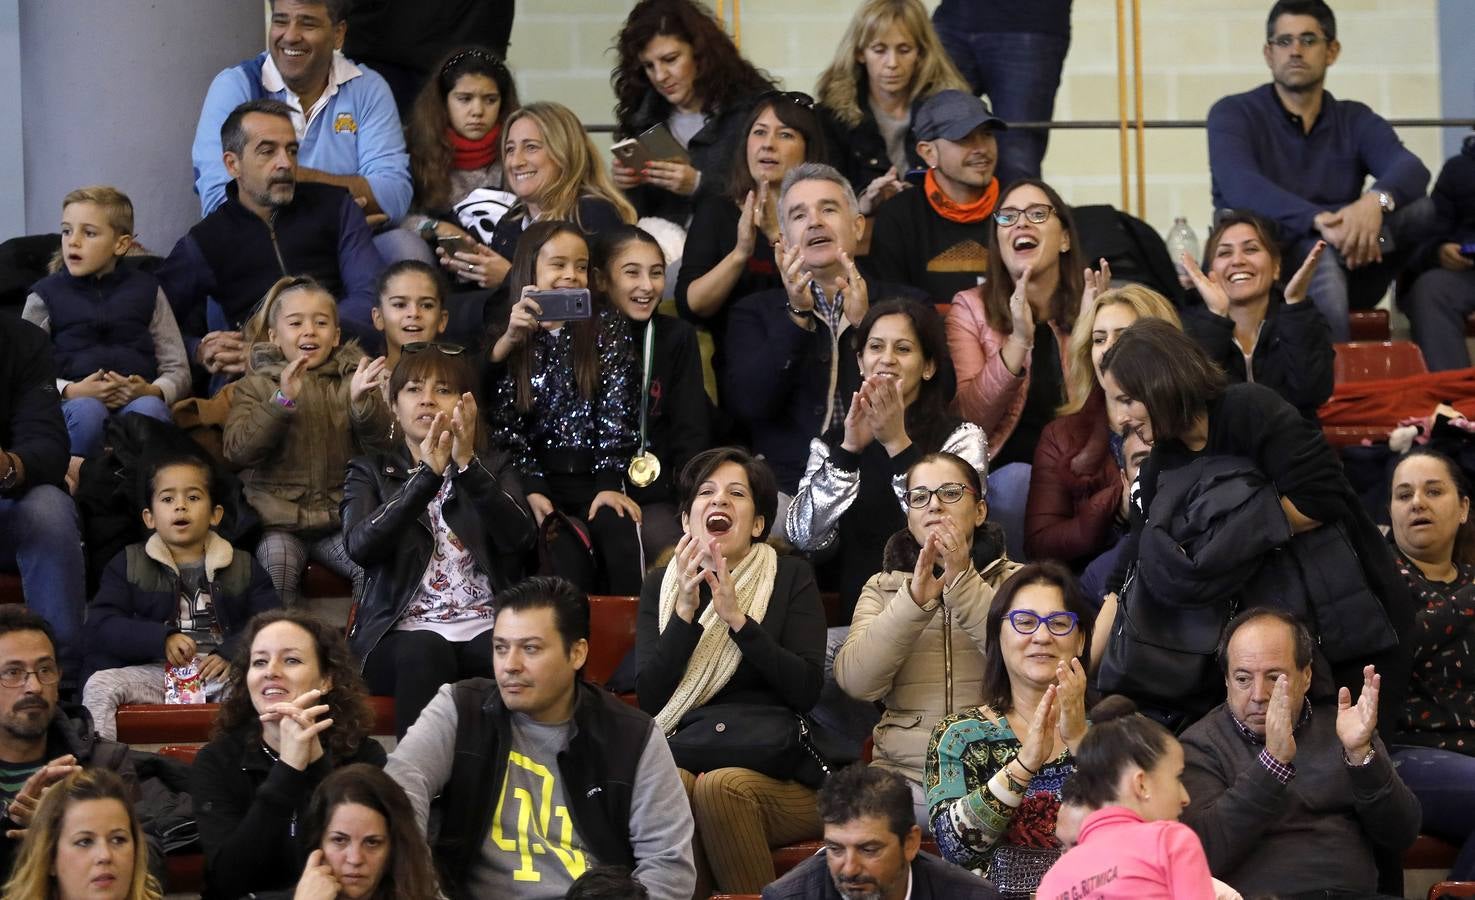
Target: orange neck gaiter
[968,213]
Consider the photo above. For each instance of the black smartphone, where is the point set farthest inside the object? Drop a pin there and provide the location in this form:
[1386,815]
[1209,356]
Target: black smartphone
[454,243]
[563,305]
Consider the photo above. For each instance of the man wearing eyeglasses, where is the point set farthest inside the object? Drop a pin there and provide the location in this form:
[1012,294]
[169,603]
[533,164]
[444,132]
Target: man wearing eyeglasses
[41,742]
[1292,152]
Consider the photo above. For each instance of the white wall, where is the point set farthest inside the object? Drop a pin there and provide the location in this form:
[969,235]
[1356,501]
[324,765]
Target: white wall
[110,91]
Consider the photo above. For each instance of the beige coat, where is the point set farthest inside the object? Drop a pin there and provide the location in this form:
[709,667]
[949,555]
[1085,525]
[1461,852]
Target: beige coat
[894,652]
[295,460]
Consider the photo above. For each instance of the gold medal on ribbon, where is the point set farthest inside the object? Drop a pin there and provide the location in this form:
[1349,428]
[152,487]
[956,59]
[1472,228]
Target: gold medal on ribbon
[644,469]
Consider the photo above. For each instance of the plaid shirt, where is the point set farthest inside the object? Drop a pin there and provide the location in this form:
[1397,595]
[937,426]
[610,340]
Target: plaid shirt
[1283,772]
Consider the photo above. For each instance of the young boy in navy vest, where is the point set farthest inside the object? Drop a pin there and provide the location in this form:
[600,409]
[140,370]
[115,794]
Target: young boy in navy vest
[169,613]
[117,346]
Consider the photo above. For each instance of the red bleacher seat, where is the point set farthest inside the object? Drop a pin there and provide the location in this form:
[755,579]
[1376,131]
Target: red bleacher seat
[612,634]
[1368,325]
[185,753]
[1452,889]
[160,723]
[184,873]
[321,581]
[791,855]
[1366,360]
[10,591]
[1429,852]
[944,308]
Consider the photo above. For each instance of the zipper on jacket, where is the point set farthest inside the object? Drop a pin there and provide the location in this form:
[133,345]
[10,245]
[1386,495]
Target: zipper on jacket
[271,230]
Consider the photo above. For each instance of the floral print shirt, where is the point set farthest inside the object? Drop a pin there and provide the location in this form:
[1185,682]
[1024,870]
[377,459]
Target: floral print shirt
[1440,711]
[975,826]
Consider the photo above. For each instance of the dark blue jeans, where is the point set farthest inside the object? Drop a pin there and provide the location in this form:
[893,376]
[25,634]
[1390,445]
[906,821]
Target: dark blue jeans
[1020,73]
[40,538]
[1444,782]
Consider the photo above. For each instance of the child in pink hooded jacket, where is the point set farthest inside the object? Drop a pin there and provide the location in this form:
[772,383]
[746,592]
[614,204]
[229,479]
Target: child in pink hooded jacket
[1129,770]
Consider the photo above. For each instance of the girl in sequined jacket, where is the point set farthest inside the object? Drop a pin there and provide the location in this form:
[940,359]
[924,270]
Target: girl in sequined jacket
[563,405]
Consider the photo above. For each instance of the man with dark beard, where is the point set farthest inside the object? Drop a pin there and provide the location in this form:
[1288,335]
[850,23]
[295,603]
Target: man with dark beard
[936,239]
[40,741]
[873,848]
[271,224]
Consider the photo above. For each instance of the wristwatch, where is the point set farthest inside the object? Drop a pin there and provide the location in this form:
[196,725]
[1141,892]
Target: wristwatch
[1386,202]
[12,474]
[427,229]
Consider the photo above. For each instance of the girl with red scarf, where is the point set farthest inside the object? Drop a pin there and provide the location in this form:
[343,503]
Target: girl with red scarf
[455,138]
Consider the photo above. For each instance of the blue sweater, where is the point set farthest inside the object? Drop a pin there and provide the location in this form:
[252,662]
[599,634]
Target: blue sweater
[358,132]
[1262,159]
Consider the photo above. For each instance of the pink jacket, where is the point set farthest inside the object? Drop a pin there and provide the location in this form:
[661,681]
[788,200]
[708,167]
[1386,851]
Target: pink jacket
[989,395]
[1121,856]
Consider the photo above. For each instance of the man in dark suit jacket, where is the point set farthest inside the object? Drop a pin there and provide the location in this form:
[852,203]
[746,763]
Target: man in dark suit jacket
[873,848]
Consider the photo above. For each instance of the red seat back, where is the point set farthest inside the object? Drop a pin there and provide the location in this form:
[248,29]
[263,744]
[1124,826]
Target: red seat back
[1367,360]
[611,634]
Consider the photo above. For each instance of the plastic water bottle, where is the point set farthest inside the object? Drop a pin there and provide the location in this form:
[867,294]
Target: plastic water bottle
[1181,240]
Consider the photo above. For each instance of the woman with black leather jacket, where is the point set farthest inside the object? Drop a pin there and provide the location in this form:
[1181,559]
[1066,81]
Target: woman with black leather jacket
[438,530]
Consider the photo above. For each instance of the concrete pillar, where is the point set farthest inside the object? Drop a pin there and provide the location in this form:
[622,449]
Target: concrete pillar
[110,93]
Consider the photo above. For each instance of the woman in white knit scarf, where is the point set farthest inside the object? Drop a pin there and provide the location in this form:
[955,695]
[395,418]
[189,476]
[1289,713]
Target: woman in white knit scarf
[729,621]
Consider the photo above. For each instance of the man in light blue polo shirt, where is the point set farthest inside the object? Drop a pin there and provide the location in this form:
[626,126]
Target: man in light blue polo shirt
[344,114]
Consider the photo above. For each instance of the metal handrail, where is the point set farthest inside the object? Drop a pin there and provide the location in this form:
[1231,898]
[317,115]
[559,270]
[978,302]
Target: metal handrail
[1113,124]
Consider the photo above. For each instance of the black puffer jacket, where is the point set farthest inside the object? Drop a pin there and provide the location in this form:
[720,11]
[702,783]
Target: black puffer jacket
[1293,355]
[386,529]
[1454,204]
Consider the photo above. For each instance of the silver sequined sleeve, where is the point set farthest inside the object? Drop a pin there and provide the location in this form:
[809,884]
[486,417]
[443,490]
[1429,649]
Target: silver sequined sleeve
[825,492]
[616,417]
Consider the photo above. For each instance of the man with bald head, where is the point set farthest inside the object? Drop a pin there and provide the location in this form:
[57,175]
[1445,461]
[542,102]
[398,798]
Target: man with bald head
[1290,797]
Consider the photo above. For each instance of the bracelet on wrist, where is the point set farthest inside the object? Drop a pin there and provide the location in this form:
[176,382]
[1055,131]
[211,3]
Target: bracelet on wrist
[1032,772]
[283,400]
[796,311]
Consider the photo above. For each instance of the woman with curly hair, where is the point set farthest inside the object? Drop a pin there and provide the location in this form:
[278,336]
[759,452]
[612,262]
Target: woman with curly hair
[678,67]
[455,142]
[888,62]
[296,710]
[63,858]
[555,173]
[364,842]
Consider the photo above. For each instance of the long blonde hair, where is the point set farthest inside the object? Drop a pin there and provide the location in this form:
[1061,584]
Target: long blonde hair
[31,879]
[580,170]
[842,88]
[1081,379]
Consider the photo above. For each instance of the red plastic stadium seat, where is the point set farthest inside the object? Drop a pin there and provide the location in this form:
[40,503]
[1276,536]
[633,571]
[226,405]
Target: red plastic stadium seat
[185,753]
[10,591]
[1429,852]
[184,873]
[791,855]
[1452,889]
[321,581]
[944,308]
[1368,325]
[161,723]
[1366,360]
[611,634]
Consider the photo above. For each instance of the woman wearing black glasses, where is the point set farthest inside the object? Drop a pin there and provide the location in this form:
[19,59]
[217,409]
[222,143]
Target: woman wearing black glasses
[848,502]
[1008,337]
[438,526]
[917,637]
[994,772]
